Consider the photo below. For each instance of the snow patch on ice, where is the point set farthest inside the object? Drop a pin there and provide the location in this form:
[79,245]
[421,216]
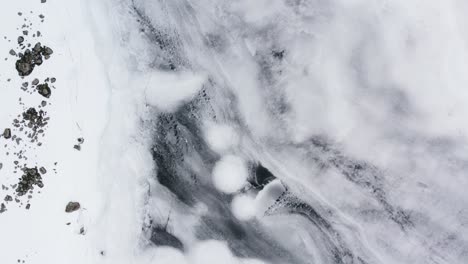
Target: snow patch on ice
[243,207]
[230,174]
[268,196]
[221,137]
[167,91]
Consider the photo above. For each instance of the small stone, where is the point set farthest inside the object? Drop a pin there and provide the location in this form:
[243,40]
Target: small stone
[12,52]
[46,51]
[80,140]
[43,1]
[2,208]
[82,231]
[72,207]
[35,82]
[1,165]
[37,47]
[42,170]
[20,14]
[44,90]
[28,206]
[8,198]
[77,147]
[52,80]
[25,84]
[43,103]
[7,133]
[41,16]
[25,32]
[20,40]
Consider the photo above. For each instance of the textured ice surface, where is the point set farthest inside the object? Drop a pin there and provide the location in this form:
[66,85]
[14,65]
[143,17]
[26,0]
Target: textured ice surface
[280,131]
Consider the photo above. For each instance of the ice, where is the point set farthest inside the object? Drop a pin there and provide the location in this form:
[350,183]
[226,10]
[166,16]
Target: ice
[356,108]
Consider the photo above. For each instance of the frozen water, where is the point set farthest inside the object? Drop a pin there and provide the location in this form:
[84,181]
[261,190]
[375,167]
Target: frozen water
[281,131]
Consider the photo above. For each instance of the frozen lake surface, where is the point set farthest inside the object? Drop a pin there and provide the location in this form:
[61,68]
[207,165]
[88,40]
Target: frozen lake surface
[238,132]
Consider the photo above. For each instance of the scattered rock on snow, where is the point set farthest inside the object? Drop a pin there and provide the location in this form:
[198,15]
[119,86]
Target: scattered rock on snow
[44,90]
[31,58]
[30,178]
[7,133]
[72,206]
[42,170]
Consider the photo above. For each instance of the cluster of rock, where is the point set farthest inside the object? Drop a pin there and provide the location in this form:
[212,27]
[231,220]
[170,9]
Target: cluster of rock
[31,58]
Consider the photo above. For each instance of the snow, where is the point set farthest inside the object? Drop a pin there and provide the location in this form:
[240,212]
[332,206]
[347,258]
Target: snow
[243,207]
[383,81]
[221,137]
[166,91]
[230,174]
[266,197]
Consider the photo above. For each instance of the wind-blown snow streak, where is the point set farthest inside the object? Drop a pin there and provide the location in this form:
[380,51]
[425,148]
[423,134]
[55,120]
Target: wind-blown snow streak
[348,118]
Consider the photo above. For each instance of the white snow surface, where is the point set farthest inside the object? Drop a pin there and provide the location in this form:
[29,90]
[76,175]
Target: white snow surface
[230,174]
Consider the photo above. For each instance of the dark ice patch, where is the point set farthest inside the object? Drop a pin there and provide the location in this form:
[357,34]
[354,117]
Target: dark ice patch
[161,237]
[262,176]
[168,55]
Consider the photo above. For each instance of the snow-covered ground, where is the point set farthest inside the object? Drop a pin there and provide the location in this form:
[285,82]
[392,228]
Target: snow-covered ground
[240,131]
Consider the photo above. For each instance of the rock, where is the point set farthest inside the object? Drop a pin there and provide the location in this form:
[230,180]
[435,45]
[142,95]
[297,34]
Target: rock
[80,140]
[77,147]
[20,39]
[35,82]
[2,208]
[31,58]
[12,52]
[72,207]
[30,178]
[37,47]
[44,90]
[8,198]
[42,170]
[46,51]
[43,1]
[1,165]
[7,133]
[25,65]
